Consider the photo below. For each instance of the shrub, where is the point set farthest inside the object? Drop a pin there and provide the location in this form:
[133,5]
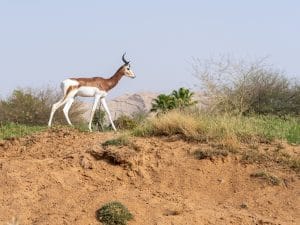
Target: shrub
[269,178]
[171,123]
[125,122]
[99,119]
[28,106]
[113,213]
[242,88]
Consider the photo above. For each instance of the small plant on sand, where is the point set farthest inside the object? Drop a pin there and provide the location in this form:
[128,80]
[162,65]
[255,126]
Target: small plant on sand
[254,156]
[121,141]
[209,154]
[269,178]
[125,122]
[113,213]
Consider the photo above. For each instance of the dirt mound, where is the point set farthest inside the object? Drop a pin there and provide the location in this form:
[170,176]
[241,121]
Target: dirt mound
[63,176]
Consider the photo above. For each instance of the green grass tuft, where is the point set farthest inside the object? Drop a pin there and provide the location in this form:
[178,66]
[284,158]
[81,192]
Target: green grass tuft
[12,130]
[293,134]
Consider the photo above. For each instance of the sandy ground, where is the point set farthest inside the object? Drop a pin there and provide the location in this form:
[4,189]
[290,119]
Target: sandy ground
[59,177]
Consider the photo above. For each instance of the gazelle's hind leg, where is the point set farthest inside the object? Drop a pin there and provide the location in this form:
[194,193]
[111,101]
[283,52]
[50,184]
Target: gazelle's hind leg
[55,106]
[67,108]
[103,102]
[59,104]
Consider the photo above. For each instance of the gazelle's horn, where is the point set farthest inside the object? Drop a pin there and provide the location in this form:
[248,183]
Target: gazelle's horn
[124,60]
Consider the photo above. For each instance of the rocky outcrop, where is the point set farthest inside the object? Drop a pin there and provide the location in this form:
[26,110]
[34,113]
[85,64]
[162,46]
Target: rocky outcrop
[127,104]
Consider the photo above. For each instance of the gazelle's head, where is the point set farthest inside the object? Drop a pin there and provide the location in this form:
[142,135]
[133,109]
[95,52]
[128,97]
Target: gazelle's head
[126,68]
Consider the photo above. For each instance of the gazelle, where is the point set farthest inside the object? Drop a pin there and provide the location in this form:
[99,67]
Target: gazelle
[90,87]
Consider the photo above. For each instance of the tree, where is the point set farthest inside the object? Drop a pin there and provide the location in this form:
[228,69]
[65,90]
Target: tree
[181,98]
[163,103]
[243,87]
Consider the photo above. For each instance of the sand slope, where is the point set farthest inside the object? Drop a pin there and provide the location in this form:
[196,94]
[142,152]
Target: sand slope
[59,177]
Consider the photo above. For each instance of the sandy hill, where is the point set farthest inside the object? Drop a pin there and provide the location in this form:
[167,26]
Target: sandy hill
[62,176]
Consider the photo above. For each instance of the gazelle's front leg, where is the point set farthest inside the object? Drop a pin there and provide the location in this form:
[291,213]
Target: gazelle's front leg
[97,97]
[103,102]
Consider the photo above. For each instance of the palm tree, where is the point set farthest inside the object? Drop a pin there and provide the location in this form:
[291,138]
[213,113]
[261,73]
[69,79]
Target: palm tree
[184,97]
[177,99]
[163,103]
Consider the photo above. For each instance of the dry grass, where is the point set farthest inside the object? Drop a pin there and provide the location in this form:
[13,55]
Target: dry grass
[227,130]
[175,123]
[210,153]
[266,176]
[281,158]
[235,134]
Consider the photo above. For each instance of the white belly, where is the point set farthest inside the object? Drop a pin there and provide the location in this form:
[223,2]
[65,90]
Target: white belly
[89,92]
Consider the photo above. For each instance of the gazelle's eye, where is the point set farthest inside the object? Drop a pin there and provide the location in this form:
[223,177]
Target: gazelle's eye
[128,68]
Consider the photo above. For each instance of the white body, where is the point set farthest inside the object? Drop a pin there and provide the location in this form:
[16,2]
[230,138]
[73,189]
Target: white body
[83,91]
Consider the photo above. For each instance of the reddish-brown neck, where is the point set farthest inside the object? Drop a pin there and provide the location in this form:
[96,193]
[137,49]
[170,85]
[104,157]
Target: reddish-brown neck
[113,81]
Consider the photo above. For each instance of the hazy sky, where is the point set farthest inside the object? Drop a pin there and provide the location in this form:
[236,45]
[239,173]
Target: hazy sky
[44,42]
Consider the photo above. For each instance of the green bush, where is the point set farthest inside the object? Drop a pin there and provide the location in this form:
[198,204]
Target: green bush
[32,107]
[113,213]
